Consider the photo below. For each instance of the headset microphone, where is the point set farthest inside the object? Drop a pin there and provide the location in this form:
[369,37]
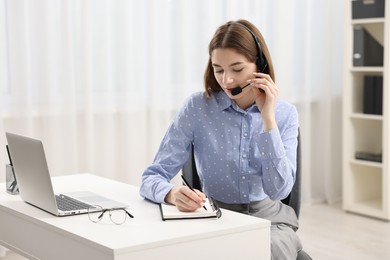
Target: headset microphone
[237,90]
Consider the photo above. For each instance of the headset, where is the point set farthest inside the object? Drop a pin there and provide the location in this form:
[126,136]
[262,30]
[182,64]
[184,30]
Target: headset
[260,62]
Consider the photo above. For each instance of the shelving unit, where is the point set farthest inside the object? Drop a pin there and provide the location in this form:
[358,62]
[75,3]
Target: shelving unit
[366,184]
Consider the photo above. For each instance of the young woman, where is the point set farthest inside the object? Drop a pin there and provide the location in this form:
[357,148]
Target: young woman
[244,139]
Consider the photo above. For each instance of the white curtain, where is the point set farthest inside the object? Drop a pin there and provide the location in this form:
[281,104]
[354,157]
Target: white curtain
[99,80]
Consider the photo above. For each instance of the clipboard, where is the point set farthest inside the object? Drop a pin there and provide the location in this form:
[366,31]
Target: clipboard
[170,212]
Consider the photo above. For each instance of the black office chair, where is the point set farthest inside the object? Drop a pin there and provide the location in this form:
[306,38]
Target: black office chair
[293,199]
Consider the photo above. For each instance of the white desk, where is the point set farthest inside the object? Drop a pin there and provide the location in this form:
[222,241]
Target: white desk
[36,234]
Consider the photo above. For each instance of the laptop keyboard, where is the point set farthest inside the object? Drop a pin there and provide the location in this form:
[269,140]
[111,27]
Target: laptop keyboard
[66,203]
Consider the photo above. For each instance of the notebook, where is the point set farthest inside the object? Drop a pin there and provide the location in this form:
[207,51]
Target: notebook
[170,212]
[35,186]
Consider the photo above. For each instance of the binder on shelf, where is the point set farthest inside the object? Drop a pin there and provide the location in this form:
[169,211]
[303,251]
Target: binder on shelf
[368,9]
[368,95]
[378,108]
[367,156]
[367,51]
[373,95]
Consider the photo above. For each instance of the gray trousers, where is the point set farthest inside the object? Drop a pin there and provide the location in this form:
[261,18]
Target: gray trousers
[285,243]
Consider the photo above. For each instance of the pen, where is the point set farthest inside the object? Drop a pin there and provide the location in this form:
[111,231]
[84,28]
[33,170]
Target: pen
[189,186]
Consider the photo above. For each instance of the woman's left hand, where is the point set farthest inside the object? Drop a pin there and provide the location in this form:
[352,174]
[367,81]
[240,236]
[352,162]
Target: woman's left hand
[265,101]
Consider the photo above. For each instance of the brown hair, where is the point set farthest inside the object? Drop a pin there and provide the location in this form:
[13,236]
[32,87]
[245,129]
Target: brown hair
[233,35]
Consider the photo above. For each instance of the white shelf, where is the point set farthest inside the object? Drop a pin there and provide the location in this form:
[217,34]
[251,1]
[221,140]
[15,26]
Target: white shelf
[366,184]
[366,163]
[370,208]
[367,21]
[366,116]
[367,69]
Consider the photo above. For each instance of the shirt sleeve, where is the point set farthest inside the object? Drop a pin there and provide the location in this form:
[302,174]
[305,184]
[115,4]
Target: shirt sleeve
[171,155]
[278,154]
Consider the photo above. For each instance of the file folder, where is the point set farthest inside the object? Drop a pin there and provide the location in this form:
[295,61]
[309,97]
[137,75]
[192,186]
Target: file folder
[367,51]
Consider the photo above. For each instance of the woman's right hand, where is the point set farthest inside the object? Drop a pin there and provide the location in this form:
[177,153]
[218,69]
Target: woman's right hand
[185,199]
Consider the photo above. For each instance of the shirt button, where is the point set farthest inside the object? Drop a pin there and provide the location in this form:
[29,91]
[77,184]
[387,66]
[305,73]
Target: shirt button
[243,177]
[244,195]
[245,134]
[244,156]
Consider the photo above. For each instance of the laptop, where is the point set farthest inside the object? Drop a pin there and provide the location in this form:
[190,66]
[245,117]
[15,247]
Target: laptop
[35,186]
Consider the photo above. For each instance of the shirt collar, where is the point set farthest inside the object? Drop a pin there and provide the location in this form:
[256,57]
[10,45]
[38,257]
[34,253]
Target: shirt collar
[223,100]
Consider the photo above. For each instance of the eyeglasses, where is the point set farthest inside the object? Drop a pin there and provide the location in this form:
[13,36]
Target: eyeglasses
[117,215]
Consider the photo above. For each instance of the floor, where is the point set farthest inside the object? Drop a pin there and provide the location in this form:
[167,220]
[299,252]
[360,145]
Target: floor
[327,232]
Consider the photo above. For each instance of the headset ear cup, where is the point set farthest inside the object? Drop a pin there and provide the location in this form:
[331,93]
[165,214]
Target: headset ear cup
[259,65]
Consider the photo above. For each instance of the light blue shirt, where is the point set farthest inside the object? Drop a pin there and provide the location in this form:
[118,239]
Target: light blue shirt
[237,161]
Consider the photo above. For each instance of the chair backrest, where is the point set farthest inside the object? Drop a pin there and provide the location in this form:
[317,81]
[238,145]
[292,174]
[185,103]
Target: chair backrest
[293,199]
